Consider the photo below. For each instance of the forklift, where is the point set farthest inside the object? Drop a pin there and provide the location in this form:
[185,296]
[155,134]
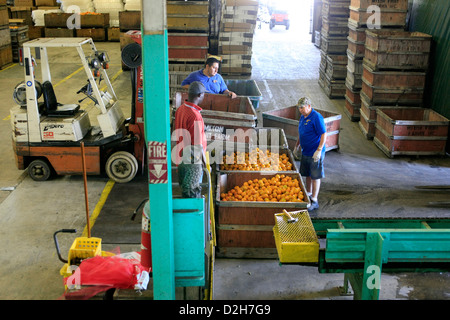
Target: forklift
[47,133]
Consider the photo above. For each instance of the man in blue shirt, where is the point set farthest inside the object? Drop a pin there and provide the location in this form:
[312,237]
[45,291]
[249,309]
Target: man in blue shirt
[212,81]
[312,136]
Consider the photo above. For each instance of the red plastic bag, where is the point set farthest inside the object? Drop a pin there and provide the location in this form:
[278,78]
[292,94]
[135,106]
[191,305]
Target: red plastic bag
[104,273]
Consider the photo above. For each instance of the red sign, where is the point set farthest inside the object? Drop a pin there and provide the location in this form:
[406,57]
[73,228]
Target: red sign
[157,162]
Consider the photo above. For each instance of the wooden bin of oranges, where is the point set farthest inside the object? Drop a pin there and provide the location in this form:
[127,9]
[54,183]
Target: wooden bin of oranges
[246,203]
[258,159]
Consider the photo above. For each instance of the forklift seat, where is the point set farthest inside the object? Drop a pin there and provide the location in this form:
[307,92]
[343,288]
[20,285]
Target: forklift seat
[51,107]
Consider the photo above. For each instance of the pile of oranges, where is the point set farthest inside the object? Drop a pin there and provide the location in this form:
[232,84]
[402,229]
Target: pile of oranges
[256,160]
[279,188]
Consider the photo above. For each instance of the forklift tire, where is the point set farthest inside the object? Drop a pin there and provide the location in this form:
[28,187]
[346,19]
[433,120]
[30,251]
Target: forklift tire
[39,170]
[121,167]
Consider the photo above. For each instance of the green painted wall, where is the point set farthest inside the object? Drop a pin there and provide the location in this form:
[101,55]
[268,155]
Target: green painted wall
[433,17]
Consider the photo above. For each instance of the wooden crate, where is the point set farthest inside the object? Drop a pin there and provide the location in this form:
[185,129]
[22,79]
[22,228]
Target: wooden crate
[4,16]
[187,54]
[188,46]
[366,125]
[356,48]
[188,15]
[221,113]
[230,148]
[335,8]
[22,12]
[334,89]
[288,118]
[97,34]
[353,95]
[187,8]
[45,3]
[261,137]
[5,36]
[356,34]
[178,71]
[6,56]
[129,20]
[392,5]
[35,32]
[354,64]
[244,228]
[411,131]
[336,66]
[113,34]
[337,27]
[352,110]
[333,44]
[389,96]
[24,3]
[353,80]
[398,41]
[388,18]
[387,49]
[18,34]
[58,32]
[370,109]
[59,20]
[394,79]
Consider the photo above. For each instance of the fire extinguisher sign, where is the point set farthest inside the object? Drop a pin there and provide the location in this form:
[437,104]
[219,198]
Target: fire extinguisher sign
[157,162]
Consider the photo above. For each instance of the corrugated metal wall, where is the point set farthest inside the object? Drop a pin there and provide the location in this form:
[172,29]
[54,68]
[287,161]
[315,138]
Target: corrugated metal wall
[433,17]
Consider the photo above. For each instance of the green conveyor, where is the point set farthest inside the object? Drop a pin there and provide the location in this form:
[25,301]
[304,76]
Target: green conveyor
[364,248]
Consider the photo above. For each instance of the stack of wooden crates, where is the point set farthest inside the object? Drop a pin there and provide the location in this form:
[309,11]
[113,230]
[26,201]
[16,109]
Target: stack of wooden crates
[333,46]
[188,39]
[394,75]
[5,36]
[392,16]
[92,25]
[237,25]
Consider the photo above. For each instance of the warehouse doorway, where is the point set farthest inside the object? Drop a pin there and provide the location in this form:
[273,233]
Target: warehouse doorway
[280,53]
[298,13]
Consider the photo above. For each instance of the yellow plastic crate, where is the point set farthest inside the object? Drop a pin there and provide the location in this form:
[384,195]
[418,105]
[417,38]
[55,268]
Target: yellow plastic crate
[296,241]
[84,247]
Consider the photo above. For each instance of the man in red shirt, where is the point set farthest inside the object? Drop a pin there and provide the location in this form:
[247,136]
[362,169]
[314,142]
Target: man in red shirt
[189,130]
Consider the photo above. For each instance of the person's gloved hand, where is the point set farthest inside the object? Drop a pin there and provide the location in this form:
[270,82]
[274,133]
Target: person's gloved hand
[317,154]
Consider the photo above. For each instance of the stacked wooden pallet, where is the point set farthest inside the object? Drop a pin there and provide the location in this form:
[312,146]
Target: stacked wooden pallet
[394,73]
[5,37]
[237,26]
[333,46]
[388,15]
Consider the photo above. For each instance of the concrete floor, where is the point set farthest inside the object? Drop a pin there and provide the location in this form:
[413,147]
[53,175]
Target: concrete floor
[360,182]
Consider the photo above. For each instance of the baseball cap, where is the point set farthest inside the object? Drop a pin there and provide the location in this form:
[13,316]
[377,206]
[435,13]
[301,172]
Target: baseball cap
[196,88]
[303,102]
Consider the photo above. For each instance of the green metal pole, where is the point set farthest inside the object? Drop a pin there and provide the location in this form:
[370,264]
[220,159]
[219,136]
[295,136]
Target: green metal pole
[157,135]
